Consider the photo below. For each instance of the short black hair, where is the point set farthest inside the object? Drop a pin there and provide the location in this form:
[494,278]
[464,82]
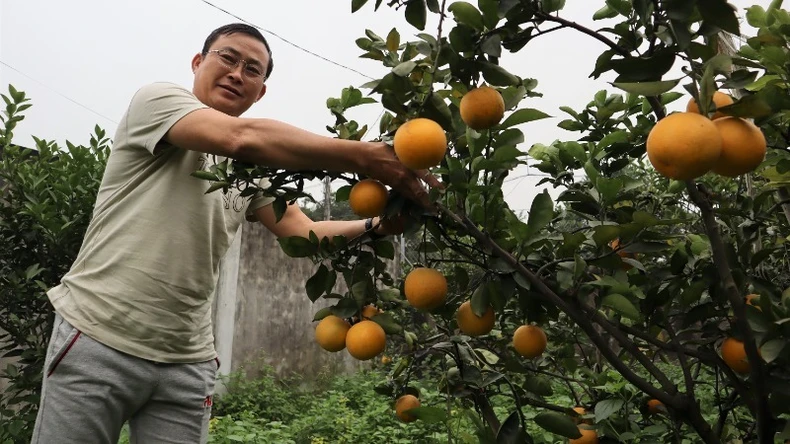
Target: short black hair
[244,29]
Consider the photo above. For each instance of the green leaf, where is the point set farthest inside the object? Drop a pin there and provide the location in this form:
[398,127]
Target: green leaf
[523,116]
[492,46]
[552,5]
[480,300]
[467,14]
[754,106]
[204,175]
[297,246]
[772,349]
[356,4]
[388,323]
[322,313]
[429,415]
[384,248]
[416,13]
[647,89]
[606,408]
[643,69]
[755,16]
[720,14]
[539,385]
[497,75]
[605,12]
[321,282]
[558,423]
[437,110]
[623,7]
[405,68]
[622,305]
[510,431]
[393,40]
[541,213]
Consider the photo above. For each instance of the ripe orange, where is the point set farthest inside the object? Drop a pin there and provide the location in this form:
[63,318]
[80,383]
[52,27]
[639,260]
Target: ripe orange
[482,108]
[406,402]
[754,300]
[734,354]
[581,411]
[420,143]
[684,146]
[368,198]
[369,311]
[654,406]
[365,340]
[615,245]
[719,99]
[530,341]
[331,333]
[743,146]
[589,436]
[425,288]
[474,325]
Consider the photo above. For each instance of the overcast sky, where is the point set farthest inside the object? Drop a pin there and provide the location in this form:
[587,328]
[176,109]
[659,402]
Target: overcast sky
[80,61]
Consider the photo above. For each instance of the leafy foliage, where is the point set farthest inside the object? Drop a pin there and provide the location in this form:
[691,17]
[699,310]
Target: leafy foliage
[46,200]
[625,268]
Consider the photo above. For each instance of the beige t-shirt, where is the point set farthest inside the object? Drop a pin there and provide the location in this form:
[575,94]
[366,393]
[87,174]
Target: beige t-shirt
[143,279]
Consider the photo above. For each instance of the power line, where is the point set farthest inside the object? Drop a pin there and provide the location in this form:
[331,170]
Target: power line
[286,40]
[59,93]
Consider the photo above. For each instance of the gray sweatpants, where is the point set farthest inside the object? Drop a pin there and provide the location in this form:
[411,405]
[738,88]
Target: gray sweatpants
[90,391]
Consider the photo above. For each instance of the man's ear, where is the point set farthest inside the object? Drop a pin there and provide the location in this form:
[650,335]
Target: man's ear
[196,61]
[263,91]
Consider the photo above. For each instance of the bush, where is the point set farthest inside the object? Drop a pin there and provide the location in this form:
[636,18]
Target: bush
[265,397]
[340,409]
[46,201]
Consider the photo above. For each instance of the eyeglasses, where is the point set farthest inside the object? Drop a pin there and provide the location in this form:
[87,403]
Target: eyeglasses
[253,72]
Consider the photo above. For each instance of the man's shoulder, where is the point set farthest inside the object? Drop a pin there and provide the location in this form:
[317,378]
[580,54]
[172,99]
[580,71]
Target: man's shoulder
[162,89]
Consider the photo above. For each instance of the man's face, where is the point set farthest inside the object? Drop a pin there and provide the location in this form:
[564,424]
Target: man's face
[231,90]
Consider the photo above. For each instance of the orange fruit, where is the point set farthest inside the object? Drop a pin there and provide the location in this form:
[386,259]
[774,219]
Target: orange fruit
[654,406]
[734,354]
[719,99]
[530,341]
[684,146]
[406,402]
[471,324]
[386,360]
[425,288]
[615,245]
[743,146]
[368,198]
[365,340]
[482,108]
[369,311]
[589,436]
[331,333]
[754,301]
[581,411]
[420,143]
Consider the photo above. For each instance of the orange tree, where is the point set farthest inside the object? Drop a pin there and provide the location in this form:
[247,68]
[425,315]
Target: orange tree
[629,289]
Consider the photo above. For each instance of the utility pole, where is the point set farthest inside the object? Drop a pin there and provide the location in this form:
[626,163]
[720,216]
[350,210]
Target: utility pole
[327,198]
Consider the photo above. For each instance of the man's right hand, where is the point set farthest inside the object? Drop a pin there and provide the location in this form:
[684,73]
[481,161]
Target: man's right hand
[383,164]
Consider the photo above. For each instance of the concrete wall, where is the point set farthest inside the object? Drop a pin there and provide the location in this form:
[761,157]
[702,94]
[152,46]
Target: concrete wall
[272,315]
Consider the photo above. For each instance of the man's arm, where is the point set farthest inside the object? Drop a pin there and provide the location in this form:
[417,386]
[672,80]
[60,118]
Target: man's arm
[280,145]
[295,223]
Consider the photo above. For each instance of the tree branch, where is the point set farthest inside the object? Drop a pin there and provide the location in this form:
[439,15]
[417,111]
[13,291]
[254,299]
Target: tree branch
[757,370]
[578,316]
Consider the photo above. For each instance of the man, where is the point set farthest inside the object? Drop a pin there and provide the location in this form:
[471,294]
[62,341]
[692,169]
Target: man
[132,339]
